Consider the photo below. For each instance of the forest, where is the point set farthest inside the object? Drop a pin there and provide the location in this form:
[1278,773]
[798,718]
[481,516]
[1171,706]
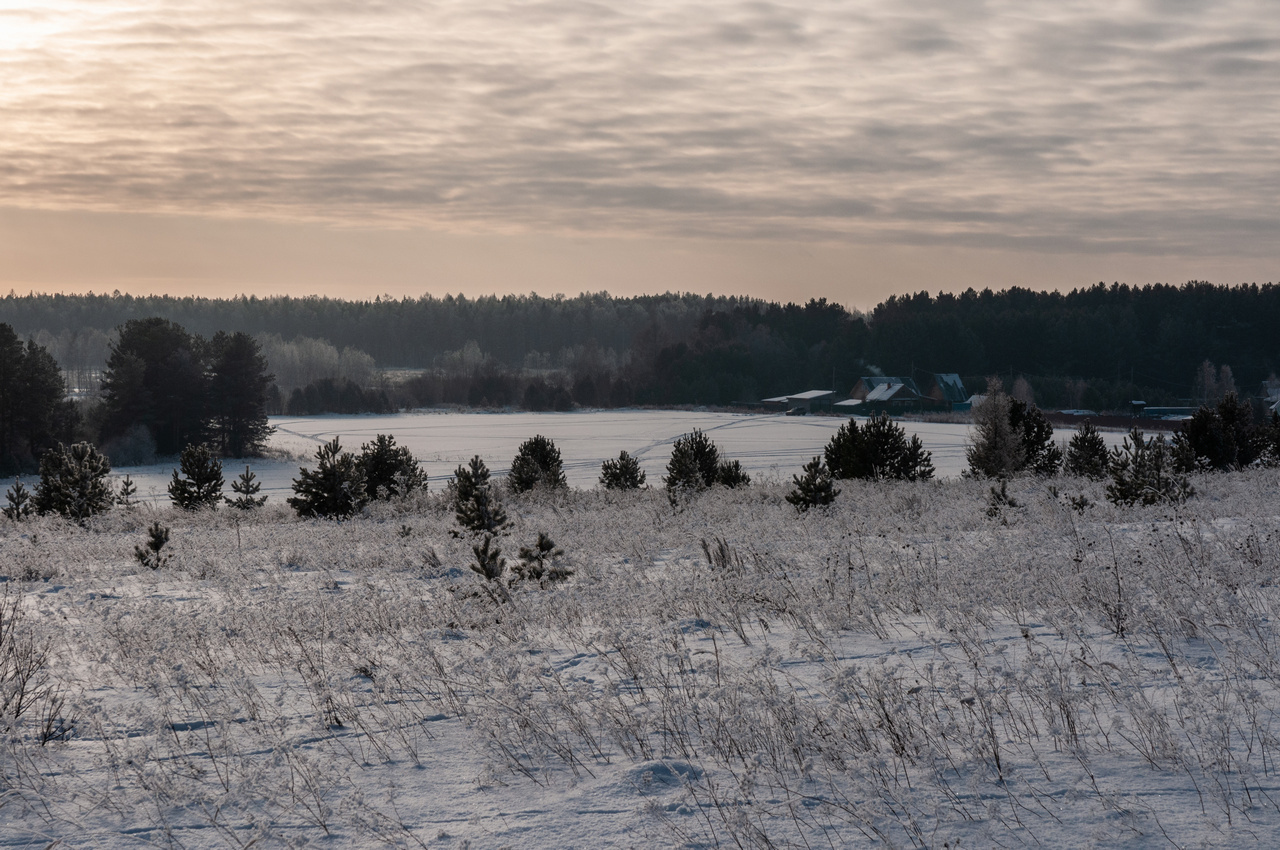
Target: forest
[1096,347]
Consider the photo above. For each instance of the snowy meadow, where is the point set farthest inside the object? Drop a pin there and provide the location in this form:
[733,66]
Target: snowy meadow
[914,666]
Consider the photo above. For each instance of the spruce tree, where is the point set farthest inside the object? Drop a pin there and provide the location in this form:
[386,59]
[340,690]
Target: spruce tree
[622,474]
[246,488]
[334,489]
[537,464]
[1041,456]
[200,482]
[814,489]
[475,502]
[1087,454]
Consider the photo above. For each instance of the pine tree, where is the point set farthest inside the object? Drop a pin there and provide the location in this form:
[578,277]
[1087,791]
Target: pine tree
[156,376]
[1142,470]
[537,464]
[200,482]
[237,403]
[878,450]
[996,450]
[390,471]
[694,463]
[729,473]
[622,474]
[31,401]
[475,502]
[814,489]
[19,502]
[1041,456]
[539,563]
[246,488]
[1221,438]
[125,497]
[73,482]
[150,555]
[1086,453]
[334,489]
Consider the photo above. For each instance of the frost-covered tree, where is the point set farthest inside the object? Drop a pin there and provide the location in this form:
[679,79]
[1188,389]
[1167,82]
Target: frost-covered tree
[125,497]
[1143,471]
[334,489]
[1087,453]
[200,483]
[878,450]
[537,464]
[1010,436]
[622,474]
[475,501]
[18,502]
[390,470]
[73,482]
[814,488]
[995,448]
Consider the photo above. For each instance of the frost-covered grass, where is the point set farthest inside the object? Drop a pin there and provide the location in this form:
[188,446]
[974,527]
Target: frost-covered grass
[900,669]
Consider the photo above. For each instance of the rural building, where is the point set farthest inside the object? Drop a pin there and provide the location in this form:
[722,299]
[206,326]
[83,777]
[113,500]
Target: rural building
[807,401]
[866,385]
[947,390]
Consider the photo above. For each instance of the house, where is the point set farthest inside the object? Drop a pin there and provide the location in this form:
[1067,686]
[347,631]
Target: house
[865,385]
[947,390]
[894,397]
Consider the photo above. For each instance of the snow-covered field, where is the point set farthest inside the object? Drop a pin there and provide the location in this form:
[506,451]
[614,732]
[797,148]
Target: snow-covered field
[903,669]
[770,445]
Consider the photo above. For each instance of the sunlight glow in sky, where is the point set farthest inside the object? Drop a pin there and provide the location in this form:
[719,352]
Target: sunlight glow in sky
[784,149]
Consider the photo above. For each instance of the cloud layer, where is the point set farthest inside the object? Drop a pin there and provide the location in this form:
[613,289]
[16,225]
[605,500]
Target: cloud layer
[1145,127]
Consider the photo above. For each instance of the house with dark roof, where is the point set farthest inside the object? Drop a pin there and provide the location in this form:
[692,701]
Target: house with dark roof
[947,390]
[866,385]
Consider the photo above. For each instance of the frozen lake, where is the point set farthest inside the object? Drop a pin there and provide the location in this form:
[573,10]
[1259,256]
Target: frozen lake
[767,445]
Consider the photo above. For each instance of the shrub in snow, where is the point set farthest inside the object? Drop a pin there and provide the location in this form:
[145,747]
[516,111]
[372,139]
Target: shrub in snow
[200,482]
[622,474]
[390,471]
[149,554]
[475,502]
[73,482]
[19,502]
[814,488]
[536,464]
[540,563]
[334,489]
[695,465]
[1142,471]
[879,449]
[1087,453]
[246,488]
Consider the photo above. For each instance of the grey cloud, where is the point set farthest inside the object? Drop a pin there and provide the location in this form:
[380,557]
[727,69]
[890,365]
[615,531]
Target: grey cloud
[1040,125]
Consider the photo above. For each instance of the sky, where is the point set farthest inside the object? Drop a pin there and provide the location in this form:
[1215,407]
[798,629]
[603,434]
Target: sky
[785,150]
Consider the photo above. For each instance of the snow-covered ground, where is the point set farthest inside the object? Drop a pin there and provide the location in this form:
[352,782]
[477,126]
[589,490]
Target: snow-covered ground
[913,667]
[768,445]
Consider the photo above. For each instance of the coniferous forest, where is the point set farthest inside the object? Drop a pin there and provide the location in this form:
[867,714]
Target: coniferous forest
[1095,347]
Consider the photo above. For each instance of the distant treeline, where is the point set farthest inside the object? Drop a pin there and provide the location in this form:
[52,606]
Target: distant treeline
[1097,347]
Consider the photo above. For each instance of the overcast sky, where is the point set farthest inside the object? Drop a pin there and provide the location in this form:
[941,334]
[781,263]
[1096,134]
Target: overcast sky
[782,149]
